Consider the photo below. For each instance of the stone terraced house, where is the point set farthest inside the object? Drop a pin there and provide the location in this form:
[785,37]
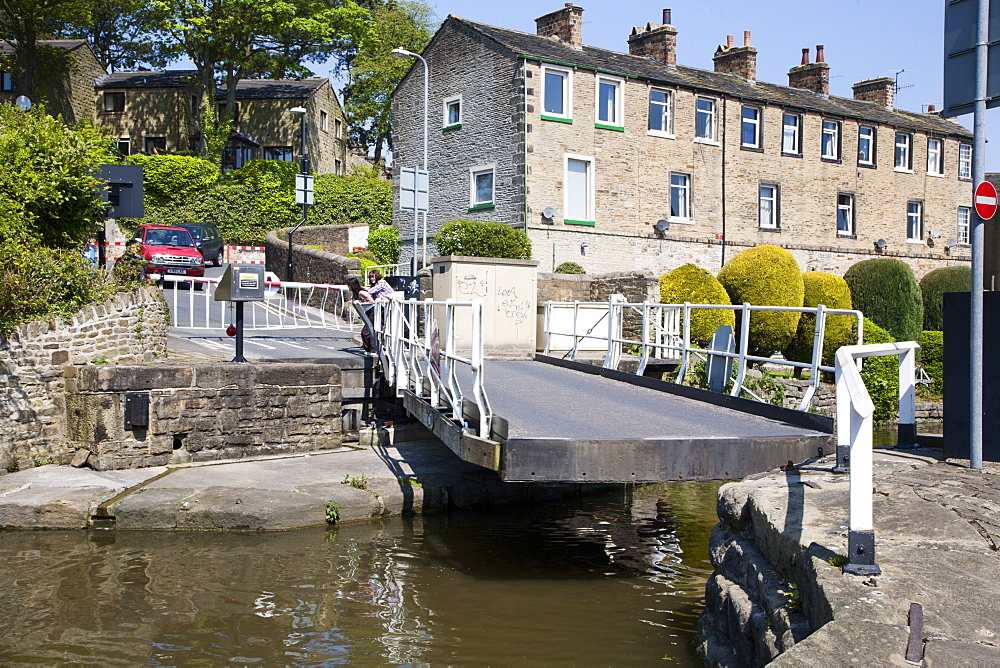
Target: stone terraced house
[69,94]
[633,162]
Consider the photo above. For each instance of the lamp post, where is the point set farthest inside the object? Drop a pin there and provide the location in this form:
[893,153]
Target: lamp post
[400,52]
[305,170]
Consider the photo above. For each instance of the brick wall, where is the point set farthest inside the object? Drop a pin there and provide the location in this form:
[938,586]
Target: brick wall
[150,112]
[203,412]
[127,329]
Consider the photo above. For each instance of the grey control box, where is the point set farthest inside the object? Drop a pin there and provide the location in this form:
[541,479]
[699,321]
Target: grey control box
[241,284]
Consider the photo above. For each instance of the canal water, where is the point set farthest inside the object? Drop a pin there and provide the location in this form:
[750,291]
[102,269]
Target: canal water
[613,579]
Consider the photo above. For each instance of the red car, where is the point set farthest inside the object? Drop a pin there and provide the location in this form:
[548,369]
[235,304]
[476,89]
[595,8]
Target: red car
[170,250]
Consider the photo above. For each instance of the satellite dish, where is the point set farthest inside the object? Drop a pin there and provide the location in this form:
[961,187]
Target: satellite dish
[23,102]
[549,212]
[881,244]
[662,225]
[935,232]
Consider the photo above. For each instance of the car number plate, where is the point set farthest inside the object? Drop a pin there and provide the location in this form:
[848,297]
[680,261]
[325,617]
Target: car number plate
[176,271]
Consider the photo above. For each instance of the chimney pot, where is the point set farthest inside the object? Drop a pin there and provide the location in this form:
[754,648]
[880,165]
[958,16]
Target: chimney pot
[931,109]
[658,42]
[819,54]
[805,56]
[729,41]
[666,17]
[814,77]
[741,61]
[746,38]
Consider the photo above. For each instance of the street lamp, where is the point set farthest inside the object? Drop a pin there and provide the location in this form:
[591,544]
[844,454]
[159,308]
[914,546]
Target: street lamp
[400,52]
[305,170]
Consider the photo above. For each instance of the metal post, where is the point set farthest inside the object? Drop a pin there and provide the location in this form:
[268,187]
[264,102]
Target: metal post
[906,431]
[427,84]
[239,334]
[304,170]
[978,238]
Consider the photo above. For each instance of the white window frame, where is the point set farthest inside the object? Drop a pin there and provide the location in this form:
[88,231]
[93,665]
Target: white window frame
[446,104]
[903,150]
[324,121]
[775,222]
[851,215]
[872,142]
[796,137]
[830,128]
[567,92]
[935,157]
[473,173]
[756,125]
[591,217]
[713,117]
[915,212]
[965,161]
[619,102]
[109,95]
[338,128]
[127,141]
[666,113]
[686,187]
[964,224]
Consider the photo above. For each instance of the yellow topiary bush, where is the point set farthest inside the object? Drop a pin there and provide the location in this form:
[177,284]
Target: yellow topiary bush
[766,276]
[693,284]
[831,291]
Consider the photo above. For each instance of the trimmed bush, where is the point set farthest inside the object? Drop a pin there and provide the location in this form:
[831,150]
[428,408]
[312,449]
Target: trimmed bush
[830,291]
[383,242]
[766,276]
[932,357]
[932,289]
[569,268]
[886,292]
[168,179]
[480,239]
[341,200]
[266,171]
[881,375]
[690,283]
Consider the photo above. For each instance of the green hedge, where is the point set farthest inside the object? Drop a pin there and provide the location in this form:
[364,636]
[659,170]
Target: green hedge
[932,289]
[174,179]
[831,291]
[932,357]
[384,243]
[351,199]
[569,268]
[690,283]
[479,239]
[886,292]
[766,276]
[881,375]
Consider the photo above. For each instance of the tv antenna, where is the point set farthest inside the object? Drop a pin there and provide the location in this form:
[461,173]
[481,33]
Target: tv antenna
[896,86]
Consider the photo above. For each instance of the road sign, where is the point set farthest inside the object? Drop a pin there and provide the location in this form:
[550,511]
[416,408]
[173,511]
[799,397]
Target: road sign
[413,189]
[986,200]
[304,188]
[960,19]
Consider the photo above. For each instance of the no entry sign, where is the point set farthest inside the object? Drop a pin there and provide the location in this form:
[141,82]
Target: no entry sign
[986,200]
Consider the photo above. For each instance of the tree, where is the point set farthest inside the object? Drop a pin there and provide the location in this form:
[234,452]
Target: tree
[24,22]
[373,72]
[119,32]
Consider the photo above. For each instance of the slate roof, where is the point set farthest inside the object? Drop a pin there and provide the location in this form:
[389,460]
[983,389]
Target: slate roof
[68,44]
[148,79]
[246,89]
[647,69]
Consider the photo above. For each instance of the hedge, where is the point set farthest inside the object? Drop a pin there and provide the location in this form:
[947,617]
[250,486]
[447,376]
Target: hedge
[831,291]
[766,276]
[480,239]
[569,268]
[881,375]
[341,200]
[932,289]
[932,358]
[174,179]
[690,283]
[384,243]
[886,292]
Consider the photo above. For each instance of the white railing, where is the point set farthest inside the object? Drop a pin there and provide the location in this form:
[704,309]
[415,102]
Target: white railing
[385,269]
[287,305]
[666,334]
[855,417]
[419,352]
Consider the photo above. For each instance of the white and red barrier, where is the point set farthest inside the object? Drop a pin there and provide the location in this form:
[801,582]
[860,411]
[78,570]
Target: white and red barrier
[244,254]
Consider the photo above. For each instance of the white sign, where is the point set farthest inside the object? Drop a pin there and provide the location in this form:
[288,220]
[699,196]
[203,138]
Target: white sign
[413,187]
[304,188]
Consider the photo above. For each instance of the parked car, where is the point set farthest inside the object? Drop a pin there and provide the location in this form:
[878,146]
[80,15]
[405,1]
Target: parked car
[209,241]
[170,250]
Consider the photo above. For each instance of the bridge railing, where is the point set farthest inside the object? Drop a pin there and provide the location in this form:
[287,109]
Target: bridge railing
[419,349]
[665,332]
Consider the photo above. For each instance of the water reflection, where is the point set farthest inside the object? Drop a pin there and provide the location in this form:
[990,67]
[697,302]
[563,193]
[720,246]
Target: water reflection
[611,580]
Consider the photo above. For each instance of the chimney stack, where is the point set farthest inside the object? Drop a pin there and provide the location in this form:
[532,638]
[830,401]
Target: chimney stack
[565,25]
[738,60]
[656,41]
[814,77]
[880,91]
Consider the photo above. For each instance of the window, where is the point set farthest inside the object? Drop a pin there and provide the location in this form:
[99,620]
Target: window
[6,82]
[154,145]
[914,221]
[609,103]
[964,220]
[579,204]
[481,187]
[750,129]
[195,107]
[704,120]
[831,140]
[680,196]
[324,121]
[222,111]
[791,134]
[453,112]
[768,207]
[114,102]
[845,214]
[124,146]
[338,168]
[556,99]
[935,157]
[866,145]
[965,161]
[338,128]
[283,153]
[660,113]
[903,158]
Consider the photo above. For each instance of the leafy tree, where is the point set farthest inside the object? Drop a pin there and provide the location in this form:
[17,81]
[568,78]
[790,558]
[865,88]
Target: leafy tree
[24,22]
[119,32]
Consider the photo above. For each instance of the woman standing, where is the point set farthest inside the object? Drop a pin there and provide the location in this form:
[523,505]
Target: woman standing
[362,297]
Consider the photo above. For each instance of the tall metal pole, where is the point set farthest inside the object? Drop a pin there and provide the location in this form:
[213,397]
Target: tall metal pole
[304,170]
[427,85]
[978,241]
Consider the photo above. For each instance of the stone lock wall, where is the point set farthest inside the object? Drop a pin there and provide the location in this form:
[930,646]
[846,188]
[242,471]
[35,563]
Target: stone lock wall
[311,265]
[202,412]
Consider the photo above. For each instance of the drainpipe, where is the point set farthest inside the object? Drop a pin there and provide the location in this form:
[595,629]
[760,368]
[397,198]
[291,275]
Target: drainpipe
[725,108]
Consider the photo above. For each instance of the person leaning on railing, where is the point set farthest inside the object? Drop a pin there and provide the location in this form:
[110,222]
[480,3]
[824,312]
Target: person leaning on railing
[364,298]
[379,286]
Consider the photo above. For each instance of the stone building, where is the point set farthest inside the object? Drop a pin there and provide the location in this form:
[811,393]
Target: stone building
[68,93]
[633,162]
[156,111]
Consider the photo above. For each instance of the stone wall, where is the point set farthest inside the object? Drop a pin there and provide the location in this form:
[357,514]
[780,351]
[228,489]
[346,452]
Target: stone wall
[202,412]
[310,265]
[637,286]
[127,329]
